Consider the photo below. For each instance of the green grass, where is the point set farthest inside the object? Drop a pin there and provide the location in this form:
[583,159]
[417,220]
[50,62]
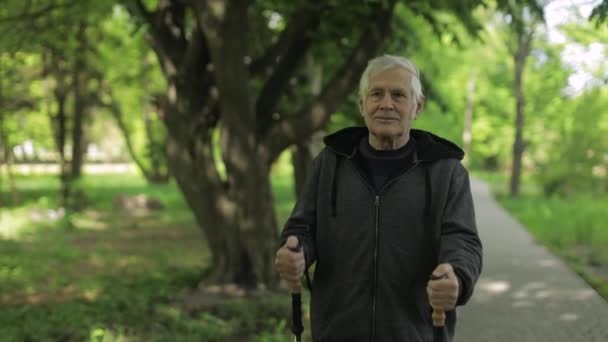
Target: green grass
[106,275]
[573,228]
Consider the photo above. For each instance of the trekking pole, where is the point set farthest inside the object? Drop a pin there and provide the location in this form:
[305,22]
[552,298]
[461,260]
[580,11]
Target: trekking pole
[438,316]
[296,303]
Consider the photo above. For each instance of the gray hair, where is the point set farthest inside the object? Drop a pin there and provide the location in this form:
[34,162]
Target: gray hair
[382,63]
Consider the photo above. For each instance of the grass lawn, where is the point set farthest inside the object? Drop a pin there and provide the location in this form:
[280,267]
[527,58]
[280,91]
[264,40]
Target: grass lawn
[576,228]
[108,275]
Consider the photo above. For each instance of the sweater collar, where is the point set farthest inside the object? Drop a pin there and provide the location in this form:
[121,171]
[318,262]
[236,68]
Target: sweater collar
[429,147]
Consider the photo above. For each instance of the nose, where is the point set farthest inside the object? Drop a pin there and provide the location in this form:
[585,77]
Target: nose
[387,102]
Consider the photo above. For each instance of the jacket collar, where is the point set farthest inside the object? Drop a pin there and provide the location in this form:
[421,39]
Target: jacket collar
[429,147]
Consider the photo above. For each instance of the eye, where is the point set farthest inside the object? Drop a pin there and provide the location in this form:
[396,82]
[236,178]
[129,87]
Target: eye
[375,93]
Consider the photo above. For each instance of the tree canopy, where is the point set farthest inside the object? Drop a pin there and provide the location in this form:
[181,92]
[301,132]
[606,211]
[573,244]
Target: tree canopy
[211,93]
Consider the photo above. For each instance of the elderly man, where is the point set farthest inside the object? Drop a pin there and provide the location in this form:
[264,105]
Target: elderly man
[387,218]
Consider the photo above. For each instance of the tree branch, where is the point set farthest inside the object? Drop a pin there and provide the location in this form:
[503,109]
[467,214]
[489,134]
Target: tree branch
[197,52]
[167,30]
[138,9]
[195,62]
[298,22]
[19,104]
[114,109]
[26,15]
[316,113]
[225,27]
[600,12]
[305,22]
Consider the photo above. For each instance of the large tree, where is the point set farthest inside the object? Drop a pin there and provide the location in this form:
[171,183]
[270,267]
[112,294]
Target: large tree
[521,21]
[66,55]
[238,70]
[236,67]
[17,99]
[210,85]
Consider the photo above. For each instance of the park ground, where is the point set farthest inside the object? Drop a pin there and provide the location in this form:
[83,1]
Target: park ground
[105,274]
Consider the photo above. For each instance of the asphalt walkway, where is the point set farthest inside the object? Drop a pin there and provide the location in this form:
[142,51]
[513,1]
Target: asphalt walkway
[525,294]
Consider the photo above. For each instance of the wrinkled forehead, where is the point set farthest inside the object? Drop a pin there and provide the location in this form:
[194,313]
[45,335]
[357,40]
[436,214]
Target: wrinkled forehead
[411,72]
[392,77]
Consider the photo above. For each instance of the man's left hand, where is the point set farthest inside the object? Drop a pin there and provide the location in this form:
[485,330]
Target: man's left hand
[443,292]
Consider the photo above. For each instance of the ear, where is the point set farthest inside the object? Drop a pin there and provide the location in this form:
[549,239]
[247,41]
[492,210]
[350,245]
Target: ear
[361,106]
[419,107]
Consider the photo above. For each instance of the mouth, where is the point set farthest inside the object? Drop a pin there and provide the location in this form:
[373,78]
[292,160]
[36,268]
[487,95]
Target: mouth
[384,118]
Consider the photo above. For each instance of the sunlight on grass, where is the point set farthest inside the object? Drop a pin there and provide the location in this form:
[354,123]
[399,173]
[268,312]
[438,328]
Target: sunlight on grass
[18,223]
[13,222]
[103,274]
[89,221]
[91,294]
[97,260]
[128,261]
[106,335]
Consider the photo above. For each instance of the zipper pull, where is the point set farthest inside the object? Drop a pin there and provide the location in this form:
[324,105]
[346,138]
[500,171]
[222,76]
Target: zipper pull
[377,202]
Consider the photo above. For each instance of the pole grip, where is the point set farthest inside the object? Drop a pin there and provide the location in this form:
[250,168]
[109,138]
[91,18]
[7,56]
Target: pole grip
[438,315]
[296,301]
[296,287]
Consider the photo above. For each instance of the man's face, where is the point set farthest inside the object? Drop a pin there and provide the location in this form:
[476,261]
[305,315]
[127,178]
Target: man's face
[389,105]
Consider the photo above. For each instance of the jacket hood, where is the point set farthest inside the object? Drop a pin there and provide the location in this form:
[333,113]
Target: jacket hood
[429,147]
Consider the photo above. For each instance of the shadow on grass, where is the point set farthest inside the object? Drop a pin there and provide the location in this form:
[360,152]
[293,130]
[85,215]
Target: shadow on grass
[121,283]
[144,309]
[115,276]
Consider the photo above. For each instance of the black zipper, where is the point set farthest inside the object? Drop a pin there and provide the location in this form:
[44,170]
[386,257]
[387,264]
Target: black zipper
[377,219]
[377,233]
[377,205]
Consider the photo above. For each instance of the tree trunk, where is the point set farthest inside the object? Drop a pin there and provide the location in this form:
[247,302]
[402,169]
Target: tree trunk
[303,153]
[53,62]
[1,192]
[301,158]
[2,142]
[207,76]
[467,132]
[157,172]
[520,56]
[240,254]
[8,159]
[80,95]
[7,150]
[116,113]
[60,122]
[237,216]
[156,147]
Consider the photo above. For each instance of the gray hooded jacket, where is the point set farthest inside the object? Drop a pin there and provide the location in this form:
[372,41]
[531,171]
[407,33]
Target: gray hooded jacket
[373,252]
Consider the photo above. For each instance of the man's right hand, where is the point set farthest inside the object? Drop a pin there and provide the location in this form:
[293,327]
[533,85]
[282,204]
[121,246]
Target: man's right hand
[290,264]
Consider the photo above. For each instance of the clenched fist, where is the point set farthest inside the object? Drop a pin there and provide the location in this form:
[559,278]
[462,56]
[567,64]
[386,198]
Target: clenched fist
[442,289]
[290,263]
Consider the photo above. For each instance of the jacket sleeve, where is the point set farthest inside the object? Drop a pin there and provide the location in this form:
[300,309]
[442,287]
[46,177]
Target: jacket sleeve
[303,218]
[460,245]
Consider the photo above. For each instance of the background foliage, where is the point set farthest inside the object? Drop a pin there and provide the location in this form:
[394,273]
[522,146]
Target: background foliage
[102,273]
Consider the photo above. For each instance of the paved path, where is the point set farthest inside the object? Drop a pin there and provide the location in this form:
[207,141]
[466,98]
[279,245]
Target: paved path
[525,293]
